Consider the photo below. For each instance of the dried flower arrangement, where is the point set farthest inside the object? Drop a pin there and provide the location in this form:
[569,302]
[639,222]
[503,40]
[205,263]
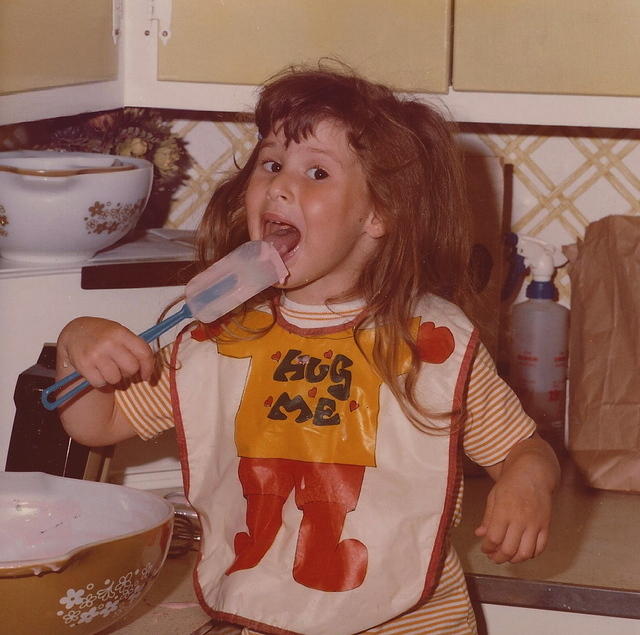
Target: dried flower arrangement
[136,132]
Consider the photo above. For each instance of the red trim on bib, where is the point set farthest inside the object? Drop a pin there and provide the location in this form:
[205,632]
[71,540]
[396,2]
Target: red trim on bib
[453,479]
[253,625]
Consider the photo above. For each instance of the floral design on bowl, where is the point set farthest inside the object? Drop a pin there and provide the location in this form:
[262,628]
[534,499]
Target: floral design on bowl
[111,598]
[103,217]
[4,221]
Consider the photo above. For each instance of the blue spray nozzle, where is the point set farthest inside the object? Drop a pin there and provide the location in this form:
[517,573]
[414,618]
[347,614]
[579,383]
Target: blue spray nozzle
[541,290]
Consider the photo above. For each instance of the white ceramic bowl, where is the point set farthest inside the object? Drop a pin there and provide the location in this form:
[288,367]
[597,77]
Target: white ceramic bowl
[75,556]
[58,207]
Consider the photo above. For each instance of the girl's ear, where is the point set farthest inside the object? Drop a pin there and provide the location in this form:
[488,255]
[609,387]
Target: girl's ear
[375,226]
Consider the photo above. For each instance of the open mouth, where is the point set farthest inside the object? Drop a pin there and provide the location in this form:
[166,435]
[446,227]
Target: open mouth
[283,237]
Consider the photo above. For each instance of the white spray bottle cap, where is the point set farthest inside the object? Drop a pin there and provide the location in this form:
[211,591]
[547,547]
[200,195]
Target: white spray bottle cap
[541,259]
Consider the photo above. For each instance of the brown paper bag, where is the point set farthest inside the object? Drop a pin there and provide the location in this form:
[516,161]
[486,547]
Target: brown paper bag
[604,353]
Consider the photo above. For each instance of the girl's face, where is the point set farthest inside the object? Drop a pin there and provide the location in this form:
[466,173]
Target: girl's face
[319,189]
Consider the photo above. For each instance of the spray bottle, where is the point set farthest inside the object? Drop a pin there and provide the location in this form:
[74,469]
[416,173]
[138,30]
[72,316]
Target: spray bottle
[538,343]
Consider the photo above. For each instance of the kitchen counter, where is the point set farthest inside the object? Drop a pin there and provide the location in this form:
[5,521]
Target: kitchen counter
[591,564]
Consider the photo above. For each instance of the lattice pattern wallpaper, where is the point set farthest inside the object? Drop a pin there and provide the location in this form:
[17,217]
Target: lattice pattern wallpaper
[215,149]
[563,178]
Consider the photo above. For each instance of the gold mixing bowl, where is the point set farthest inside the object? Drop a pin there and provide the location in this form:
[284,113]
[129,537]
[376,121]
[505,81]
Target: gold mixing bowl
[75,556]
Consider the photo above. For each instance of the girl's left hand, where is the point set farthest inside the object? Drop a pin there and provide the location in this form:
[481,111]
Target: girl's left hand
[515,526]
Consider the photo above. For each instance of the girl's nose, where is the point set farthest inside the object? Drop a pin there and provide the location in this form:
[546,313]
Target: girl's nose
[279,187]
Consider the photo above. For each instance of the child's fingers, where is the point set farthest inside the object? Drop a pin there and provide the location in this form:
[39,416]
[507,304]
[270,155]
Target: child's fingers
[133,360]
[494,537]
[94,376]
[480,530]
[131,353]
[506,540]
[109,372]
[121,363]
[518,545]
[147,368]
[144,358]
[483,527]
[495,550]
[522,548]
[541,542]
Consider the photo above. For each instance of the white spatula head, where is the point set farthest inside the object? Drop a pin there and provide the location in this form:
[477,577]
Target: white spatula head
[234,279]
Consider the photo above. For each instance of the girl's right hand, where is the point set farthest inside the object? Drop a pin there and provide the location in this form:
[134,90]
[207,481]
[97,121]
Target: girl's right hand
[103,352]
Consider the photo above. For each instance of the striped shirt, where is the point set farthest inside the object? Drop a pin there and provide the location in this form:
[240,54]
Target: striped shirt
[494,423]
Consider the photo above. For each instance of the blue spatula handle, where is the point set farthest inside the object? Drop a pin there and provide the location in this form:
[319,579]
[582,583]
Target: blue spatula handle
[150,334]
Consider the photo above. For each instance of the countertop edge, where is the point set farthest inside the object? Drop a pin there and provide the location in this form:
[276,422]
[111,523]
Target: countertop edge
[555,596]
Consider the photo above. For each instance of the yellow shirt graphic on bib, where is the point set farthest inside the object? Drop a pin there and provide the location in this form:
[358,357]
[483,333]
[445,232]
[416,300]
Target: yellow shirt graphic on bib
[307,398]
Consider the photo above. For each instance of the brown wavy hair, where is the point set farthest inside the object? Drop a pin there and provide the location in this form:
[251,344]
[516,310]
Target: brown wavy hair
[416,179]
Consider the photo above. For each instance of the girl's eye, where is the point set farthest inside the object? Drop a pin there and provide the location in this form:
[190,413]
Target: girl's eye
[317,173]
[271,166]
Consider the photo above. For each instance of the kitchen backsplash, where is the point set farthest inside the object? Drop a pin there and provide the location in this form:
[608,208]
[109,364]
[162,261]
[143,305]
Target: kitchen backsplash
[563,178]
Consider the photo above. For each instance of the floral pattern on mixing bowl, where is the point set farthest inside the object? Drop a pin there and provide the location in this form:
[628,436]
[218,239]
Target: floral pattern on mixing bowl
[103,217]
[113,597]
[4,221]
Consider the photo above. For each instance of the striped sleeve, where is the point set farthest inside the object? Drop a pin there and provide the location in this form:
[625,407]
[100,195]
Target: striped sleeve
[495,420]
[448,612]
[147,405]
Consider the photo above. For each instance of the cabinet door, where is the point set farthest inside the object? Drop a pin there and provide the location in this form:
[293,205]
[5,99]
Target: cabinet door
[405,44]
[580,47]
[46,43]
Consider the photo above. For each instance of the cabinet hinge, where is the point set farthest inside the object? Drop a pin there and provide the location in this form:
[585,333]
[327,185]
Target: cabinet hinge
[117,12]
[160,12]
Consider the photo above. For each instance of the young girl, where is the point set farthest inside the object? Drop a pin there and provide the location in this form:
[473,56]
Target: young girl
[320,427]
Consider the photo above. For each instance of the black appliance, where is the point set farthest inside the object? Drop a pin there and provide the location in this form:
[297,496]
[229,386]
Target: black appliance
[38,440]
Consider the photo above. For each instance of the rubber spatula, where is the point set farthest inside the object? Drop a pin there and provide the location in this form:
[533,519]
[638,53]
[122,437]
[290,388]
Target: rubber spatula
[246,271]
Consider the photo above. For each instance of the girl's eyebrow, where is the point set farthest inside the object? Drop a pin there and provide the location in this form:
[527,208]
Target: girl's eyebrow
[325,152]
[267,144]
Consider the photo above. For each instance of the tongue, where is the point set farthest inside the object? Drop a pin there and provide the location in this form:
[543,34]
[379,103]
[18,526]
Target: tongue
[284,239]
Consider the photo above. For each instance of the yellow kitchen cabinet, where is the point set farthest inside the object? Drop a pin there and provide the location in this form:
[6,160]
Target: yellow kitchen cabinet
[403,43]
[579,47]
[58,58]
[49,43]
